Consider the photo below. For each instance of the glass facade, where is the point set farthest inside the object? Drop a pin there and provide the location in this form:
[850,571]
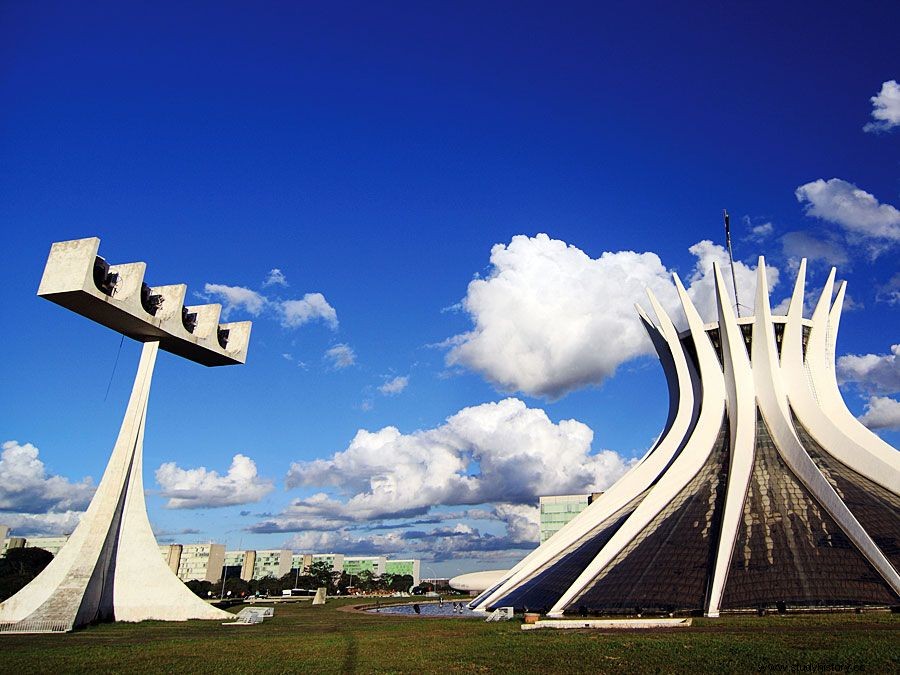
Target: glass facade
[876,508]
[667,566]
[556,511]
[789,550]
[546,586]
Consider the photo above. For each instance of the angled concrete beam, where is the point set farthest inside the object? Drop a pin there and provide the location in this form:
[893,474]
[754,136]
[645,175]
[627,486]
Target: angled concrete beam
[116,296]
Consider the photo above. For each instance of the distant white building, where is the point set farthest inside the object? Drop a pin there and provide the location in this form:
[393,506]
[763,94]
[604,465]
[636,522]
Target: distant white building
[202,562]
[303,561]
[50,544]
[171,553]
[272,563]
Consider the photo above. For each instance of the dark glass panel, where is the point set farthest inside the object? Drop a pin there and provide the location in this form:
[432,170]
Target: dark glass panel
[547,585]
[667,566]
[876,508]
[789,549]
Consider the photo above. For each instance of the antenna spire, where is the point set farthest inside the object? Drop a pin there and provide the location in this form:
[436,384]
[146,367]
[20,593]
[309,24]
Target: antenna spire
[737,305]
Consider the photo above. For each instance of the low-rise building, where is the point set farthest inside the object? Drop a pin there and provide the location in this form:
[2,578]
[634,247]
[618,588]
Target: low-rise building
[558,510]
[202,562]
[403,567]
[171,553]
[356,564]
[50,544]
[13,542]
[303,561]
[272,563]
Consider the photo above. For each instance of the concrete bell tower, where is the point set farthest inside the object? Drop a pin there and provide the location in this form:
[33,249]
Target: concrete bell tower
[111,568]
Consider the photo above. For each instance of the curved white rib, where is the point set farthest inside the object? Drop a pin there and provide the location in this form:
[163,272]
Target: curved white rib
[639,478]
[820,365]
[683,468]
[741,404]
[773,405]
[837,439]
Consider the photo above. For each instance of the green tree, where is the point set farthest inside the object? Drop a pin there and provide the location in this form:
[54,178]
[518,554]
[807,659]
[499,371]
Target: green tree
[321,573]
[200,587]
[19,566]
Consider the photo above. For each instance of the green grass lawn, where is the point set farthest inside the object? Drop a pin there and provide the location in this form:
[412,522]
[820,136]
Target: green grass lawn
[325,640]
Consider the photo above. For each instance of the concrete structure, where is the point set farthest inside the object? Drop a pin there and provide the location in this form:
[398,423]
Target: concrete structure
[13,542]
[4,531]
[272,563]
[303,561]
[50,544]
[111,568]
[356,564]
[171,553]
[762,491]
[404,567]
[201,562]
[239,564]
[477,582]
[558,510]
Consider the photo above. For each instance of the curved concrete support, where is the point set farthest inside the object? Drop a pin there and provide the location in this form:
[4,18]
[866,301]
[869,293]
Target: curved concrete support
[686,382]
[684,467]
[741,405]
[773,406]
[879,461]
[799,380]
[112,556]
[784,388]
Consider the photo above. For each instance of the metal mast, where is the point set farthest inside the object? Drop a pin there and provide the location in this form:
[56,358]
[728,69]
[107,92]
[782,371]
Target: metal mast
[737,304]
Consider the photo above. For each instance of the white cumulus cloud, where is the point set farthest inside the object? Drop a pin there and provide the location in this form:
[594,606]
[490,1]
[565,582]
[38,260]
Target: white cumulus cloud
[201,488]
[797,245]
[236,297]
[394,385]
[885,108]
[882,412]
[854,209]
[549,319]
[41,524]
[275,277]
[876,373]
[26,487]
[341,356]
[311,307]
[500,452]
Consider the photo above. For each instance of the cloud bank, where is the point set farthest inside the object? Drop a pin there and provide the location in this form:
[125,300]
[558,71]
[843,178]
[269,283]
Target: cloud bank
[26,487]
[858,212]
[875,373]
[882,412]
[885,108]
[201,488]
[548,318]
[501,452]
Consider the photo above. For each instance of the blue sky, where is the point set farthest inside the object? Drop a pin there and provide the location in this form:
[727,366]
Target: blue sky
[375,156]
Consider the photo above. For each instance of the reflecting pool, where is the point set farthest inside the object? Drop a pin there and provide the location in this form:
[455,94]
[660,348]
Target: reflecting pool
[430,609]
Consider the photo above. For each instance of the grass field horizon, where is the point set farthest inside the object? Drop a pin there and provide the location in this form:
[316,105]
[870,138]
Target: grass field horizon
[330,639]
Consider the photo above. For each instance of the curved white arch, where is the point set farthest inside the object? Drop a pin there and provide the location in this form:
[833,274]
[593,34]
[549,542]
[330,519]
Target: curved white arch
[820,366]
[640,477]
[685,466]
[798,379]
[741,405]
[773,406]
